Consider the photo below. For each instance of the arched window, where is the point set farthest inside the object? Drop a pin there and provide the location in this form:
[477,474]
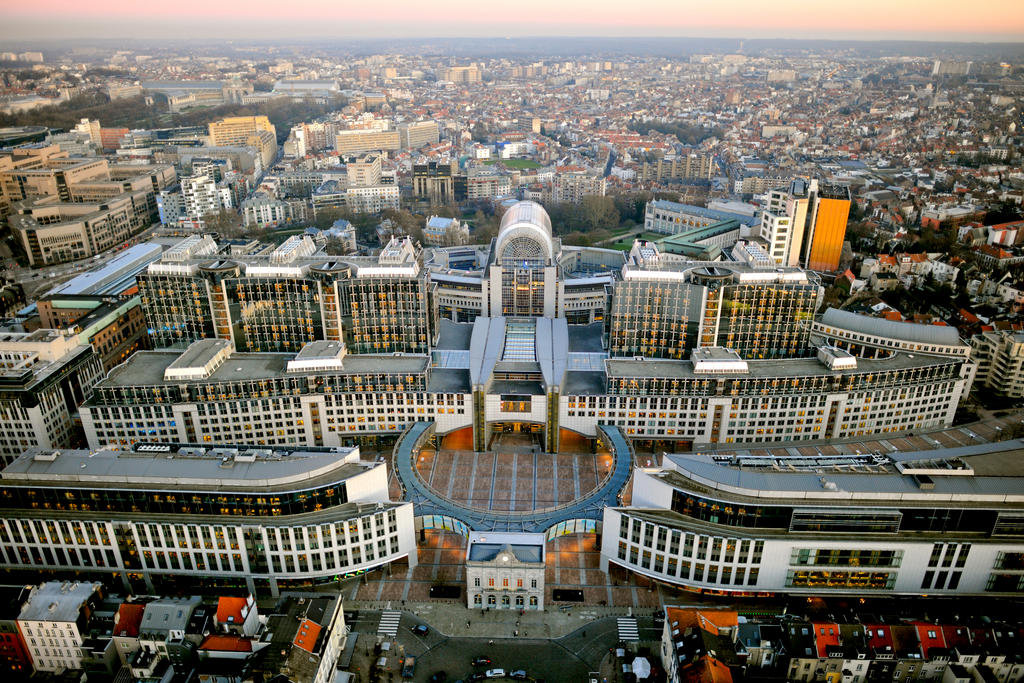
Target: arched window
[533,601]
[478,599]
[519,601]
[504,601]
[491,600]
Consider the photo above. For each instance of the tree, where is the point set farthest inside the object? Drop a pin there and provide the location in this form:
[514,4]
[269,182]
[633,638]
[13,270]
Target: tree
[479,132]
[227,224]
[600,213]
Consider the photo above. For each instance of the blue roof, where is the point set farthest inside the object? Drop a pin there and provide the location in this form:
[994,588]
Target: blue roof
[485,552]
[439,222]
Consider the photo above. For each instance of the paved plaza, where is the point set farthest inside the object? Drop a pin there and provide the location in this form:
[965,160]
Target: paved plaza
[515,475]
[572,562]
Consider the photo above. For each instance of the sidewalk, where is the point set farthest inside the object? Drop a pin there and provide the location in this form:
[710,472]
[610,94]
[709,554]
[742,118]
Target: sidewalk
[456,620]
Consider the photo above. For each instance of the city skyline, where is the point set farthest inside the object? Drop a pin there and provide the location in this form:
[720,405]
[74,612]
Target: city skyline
[991,21]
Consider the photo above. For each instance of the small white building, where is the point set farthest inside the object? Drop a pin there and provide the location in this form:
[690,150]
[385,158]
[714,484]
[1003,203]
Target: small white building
[53,620]
[505,570]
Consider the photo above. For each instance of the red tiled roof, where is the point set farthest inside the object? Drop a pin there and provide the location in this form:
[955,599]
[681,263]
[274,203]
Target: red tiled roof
[706,670]
[879,636]
[128,619]
[226,644]
[824,636]
[708,619]
[229,610]
[929,641]
[956,636]
[306,636]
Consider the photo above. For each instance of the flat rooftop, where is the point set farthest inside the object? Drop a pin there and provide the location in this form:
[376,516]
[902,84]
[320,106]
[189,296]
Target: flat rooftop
[214,471]
[788,367]
[146,368]
[65,598]
[778,484]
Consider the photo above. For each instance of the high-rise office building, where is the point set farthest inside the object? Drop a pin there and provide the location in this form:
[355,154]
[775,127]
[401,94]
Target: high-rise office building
[235,131]
[823,245]
[461,74]
[725,352]
[417,134]
[573,187]
[805,225]
[349,142]
[364,172]
[434,181]
[664,307]
[45,377]
[388,303]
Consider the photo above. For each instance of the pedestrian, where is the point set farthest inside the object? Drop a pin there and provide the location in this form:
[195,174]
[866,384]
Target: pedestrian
[490,642]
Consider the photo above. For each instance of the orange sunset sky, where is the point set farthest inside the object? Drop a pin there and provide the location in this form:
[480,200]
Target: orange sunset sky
[985,20]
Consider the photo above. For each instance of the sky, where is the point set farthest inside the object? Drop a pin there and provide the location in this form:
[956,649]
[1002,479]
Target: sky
[980,20]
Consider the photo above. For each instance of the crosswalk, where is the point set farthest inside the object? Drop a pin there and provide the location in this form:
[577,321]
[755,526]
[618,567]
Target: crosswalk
[389,623]
[628,629]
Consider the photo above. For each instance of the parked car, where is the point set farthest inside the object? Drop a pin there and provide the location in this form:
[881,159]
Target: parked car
[439,677]
[518,674]
[495,673]
[420,630]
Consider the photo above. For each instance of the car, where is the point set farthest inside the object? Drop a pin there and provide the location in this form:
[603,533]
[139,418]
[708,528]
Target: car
[478,676]
[495,673]
[518,674]
[438,677]
[481,661]
[420,630]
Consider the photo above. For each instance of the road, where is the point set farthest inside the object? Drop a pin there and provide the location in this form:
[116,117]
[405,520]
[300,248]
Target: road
[36,281]
[570,658]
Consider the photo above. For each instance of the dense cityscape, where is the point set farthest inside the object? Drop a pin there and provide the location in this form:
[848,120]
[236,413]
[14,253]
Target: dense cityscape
[599,360]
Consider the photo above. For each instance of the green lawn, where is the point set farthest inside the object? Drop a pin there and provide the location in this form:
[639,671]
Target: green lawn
[515,163]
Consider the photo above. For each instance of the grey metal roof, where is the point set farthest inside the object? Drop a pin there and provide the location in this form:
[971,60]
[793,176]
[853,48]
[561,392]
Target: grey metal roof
[57,601]
[146,368]
[107,468]
[786,367]
[915,332]
[485,552]
[168,614]
[485,347]
[199,353]
[449,381]
[454,336]
[584,383]
[586,338]
[815,488]
[484,546]
[553,349]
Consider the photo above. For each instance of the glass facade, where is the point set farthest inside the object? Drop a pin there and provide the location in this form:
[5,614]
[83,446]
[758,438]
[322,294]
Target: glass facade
[388,315]
[274,314]
[654,318]
[766,320]
[233,503]
[177,308]
[874,520]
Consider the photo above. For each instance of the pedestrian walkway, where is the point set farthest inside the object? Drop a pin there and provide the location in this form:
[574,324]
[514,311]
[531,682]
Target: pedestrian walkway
[628,632]
[389,624]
